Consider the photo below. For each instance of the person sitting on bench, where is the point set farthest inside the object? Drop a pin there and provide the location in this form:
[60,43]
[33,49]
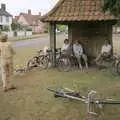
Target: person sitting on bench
[79,54]
[66,47]
[105,51]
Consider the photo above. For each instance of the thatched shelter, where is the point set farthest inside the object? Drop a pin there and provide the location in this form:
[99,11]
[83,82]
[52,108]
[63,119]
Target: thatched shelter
[86,22]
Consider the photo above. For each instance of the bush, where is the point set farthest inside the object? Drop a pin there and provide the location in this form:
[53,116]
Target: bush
[5,28]
[28,29]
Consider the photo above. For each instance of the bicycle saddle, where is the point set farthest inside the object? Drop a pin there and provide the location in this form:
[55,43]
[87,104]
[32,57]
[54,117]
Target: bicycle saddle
[39,51]
[49,51]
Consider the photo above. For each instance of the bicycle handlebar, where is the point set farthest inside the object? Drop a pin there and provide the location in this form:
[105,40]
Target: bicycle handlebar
[39,51]
[89,100]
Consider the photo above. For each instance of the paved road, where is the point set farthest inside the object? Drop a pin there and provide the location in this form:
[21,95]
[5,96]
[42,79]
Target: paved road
[31,42]
[40,40]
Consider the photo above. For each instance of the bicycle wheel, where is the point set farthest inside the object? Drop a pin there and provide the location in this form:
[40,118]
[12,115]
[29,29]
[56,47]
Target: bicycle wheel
[42,62]
[32,63]
[118,67]
[63,64]
[113,68]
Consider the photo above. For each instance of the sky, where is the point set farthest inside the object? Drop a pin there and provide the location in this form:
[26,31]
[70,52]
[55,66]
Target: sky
[14,7]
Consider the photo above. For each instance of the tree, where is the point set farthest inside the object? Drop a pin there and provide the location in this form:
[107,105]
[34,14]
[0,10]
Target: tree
[113,6]
[16,26]
[61,28]
[46,27]
[5,28]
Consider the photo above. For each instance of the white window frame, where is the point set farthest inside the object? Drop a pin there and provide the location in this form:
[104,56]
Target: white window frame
[7,19]
[1,19]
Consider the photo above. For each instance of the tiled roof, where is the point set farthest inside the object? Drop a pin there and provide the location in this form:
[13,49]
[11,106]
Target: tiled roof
[5,13]
[77,10]
[29,18]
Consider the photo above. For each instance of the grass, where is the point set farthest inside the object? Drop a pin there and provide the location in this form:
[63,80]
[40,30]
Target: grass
[31,100]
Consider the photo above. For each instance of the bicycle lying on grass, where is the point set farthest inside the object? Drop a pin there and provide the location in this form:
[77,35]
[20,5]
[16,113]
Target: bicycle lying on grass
[36,61]
[90,100]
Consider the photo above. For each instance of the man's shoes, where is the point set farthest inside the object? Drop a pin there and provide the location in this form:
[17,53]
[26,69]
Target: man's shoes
[12,87]
[5,89]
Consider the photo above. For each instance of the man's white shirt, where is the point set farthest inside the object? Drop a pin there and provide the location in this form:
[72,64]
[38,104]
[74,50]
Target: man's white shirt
[77,49]
[65,47]
[106,48]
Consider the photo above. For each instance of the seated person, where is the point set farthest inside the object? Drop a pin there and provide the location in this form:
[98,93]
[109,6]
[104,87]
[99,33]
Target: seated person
[45,50]
[78,52]
[66,47]
[105,51]
[77,48]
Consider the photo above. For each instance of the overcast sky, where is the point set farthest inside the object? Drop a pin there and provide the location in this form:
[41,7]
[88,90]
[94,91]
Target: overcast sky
[14,7]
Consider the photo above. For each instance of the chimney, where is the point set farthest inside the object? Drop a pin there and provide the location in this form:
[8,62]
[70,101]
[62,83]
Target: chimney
[40,13]
[29,12]
[3,7]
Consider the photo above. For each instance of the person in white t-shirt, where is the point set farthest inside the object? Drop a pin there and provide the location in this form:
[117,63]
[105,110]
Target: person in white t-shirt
[66,47]
[105,51]
[78,52]
[77,48]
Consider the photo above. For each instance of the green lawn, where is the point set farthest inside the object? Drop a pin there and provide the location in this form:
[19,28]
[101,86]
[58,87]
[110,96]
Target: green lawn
[32,101]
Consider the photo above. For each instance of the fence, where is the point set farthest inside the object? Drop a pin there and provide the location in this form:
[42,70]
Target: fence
[18,33]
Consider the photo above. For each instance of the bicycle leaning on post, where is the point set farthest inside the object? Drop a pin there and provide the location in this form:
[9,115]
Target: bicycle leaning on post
[62,62]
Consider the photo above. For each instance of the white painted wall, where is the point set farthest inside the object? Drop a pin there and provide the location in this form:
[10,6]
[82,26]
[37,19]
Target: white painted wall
[19,33]
[4,22]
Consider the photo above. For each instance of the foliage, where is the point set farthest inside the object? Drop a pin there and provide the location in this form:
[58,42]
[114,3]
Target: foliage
[61,28]
[5,28]
[16,26]
[113,6]
[28,29]
[46,27]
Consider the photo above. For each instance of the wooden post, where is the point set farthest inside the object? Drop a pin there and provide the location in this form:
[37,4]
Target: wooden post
[52,31]
[110,37]
[70,33]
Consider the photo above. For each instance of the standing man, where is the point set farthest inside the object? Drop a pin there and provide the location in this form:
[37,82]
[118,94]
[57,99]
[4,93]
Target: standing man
[6,59]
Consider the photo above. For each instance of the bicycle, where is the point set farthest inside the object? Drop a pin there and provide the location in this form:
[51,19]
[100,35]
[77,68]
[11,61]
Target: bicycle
[36,61]
[90,100]
[73,62]
[61,60]
[112,62]
[118,66]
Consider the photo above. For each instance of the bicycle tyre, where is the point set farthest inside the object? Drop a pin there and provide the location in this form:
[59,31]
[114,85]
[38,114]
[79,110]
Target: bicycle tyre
[63,64]
[113,68]
[31,63]
[118,67]
[42,62]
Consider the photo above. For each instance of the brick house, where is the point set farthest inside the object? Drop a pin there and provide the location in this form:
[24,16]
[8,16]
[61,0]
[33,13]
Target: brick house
[86,22]
[31,21]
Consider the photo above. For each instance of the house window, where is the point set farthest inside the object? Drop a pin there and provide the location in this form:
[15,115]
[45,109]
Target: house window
[7,19]
[1,19]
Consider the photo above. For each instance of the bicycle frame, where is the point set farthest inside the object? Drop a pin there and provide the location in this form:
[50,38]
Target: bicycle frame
[90,100]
